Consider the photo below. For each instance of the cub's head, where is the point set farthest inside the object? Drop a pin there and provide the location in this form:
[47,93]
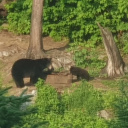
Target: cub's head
[72,68]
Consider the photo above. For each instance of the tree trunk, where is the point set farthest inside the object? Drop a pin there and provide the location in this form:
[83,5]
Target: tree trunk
[115,65]
[35,49]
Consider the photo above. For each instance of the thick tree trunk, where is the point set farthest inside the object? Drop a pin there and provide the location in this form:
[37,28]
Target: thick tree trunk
[35,49]
[115,65]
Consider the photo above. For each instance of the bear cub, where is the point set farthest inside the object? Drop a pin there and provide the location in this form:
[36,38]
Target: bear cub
[34,69]
[79,72]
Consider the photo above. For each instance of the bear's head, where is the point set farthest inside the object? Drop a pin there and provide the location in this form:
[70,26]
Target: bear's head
[46,64]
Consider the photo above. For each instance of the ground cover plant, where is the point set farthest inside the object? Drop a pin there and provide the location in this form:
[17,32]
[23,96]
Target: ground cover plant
[77,107]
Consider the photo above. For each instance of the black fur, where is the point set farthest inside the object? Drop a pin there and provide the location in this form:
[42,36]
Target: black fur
[79,72]
[34,69]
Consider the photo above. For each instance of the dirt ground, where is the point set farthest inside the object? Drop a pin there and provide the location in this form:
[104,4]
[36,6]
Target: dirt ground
[14,47]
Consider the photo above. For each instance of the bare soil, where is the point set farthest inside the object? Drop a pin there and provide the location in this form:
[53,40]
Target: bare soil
[15,47]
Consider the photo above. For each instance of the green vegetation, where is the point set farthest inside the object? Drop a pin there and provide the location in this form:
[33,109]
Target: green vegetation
[2,20]
[85,55]
[19,16]
[77,107]
[124,43]
[11,110]
[76,20]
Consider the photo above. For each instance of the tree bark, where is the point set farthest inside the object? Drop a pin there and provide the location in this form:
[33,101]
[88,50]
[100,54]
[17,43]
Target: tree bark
[35,49]
[115,65]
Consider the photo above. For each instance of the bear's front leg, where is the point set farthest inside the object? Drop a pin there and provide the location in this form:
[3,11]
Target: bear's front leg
[33,79]
[19,81]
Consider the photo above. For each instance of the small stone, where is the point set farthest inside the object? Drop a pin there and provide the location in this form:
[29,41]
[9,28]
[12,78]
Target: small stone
[1,43]
[34,92]
[106,114]
[5,53]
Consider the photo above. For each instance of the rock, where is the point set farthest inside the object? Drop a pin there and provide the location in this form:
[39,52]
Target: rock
[34,92]
[61,59]
[27,104]
[11,50]
[106,114]
[5,53]
[59,78]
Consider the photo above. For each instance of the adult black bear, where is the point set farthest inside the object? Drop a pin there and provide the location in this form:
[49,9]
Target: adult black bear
[34,69]
[79,72]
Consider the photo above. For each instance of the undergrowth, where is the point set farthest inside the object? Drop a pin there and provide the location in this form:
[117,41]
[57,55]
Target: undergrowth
[77,107]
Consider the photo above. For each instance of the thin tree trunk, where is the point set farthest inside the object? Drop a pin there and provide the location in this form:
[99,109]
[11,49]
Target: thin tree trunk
[115,65]
[35,49]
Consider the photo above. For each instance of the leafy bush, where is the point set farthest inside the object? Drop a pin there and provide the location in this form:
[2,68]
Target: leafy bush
[124,42]
[10,108]
[116,99]
[19,16]
[81,97]
[75,109]
[2,20]
[76,20]
[121,105]
[48,105]
[47,99]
